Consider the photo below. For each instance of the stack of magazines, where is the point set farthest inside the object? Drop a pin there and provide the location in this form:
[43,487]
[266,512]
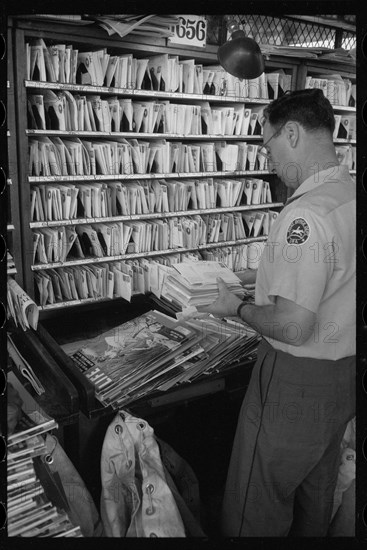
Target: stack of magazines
[30,512]
[155,352]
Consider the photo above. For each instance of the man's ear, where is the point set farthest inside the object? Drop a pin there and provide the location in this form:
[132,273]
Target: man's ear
[292,132]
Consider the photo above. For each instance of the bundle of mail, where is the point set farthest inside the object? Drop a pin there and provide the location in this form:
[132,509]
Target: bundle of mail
[195,283]
[154,353]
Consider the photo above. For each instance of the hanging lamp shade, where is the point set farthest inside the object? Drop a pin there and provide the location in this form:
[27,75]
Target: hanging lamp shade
[241,56]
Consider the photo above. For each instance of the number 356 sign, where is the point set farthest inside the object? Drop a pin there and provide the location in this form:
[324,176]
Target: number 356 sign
[191,30]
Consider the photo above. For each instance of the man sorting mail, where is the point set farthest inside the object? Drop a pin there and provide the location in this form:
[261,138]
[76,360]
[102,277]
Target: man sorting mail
[285,455]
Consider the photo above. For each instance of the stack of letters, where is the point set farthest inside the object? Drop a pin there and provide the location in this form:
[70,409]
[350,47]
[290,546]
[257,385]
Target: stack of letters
[195,283]
[154,353]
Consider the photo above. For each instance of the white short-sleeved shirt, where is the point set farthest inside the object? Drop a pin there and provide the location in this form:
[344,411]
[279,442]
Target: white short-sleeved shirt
[310,258]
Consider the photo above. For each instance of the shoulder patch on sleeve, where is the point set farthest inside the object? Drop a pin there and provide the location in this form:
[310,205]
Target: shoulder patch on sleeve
[298,231]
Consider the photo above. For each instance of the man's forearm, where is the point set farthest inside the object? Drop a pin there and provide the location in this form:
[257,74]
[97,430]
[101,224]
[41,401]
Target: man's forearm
[248,276]
[274,323]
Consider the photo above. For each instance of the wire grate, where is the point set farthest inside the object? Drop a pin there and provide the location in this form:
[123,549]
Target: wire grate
[282,31]
[349,40]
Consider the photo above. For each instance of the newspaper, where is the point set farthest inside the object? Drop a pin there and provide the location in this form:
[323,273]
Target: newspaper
[126,24]
[21,307]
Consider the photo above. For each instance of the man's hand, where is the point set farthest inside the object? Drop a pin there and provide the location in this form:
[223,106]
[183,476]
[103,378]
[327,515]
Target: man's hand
[225,305]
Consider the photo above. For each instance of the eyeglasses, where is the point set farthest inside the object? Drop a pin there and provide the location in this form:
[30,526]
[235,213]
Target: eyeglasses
[263,151]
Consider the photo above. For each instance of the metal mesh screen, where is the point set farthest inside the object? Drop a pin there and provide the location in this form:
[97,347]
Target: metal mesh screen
[215,25]
[281,31]
[349,40]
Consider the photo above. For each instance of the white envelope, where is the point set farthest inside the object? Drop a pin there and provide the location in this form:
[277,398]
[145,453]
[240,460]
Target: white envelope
[65,192]
[111,69]
[56,204]
[37,63]
[50,244]
[64,283]
[258,223]
[110,284]
[337,124]
[85,195]
[240,113]
[249,218]
[240,232]
[56,285]
[106,231]
[246,122]
[251,155]
[71,106]
[54,105]
[257,189]
[37,111]
[81,284]
[188,75]
[70,275]
[70,239]
[273,84]
[272,217]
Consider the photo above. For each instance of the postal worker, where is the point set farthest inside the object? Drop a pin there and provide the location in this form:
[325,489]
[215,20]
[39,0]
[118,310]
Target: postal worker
[285,457]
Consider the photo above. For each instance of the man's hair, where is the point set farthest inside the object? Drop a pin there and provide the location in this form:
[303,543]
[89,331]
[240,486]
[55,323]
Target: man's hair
[310,108]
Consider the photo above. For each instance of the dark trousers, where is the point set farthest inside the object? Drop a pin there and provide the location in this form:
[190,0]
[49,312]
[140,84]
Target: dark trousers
[285,457]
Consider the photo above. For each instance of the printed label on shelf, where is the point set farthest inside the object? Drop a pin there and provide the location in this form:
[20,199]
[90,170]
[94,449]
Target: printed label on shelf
[191,31]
